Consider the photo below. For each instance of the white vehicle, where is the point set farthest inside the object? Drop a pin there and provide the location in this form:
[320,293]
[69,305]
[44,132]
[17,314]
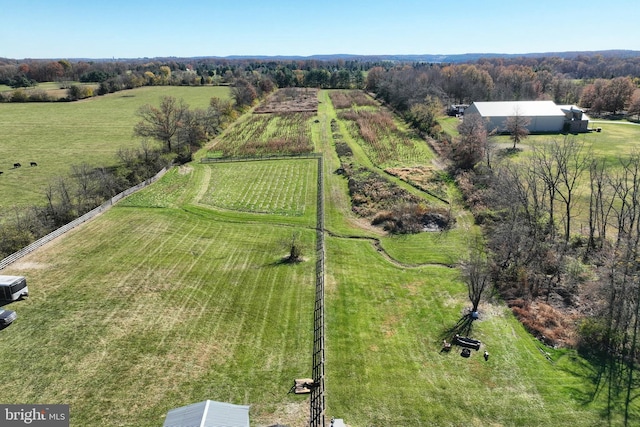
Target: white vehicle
[13,288]
[6,317]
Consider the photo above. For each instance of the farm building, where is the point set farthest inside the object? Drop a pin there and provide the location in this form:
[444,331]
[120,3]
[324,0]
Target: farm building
[544,116]
[208,413]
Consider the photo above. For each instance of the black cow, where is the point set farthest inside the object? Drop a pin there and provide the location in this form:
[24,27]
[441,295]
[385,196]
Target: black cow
[16,165]
[34,164]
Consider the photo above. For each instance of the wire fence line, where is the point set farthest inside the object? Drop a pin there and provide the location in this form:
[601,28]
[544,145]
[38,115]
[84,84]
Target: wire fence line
[317,401]
[260,157]
[76,222]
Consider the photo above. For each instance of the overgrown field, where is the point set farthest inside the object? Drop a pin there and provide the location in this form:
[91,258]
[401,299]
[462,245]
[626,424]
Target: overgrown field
[58,135]
[179,294]
[386,142]
[266,134]
[290,100]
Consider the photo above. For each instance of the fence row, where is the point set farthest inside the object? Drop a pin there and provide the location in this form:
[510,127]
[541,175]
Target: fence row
[76,222]
[317,402]
[260,157]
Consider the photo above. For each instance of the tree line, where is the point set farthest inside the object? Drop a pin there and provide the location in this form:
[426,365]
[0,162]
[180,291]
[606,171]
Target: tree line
[593,81]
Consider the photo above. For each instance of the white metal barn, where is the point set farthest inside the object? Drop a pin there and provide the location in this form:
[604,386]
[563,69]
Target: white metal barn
[544,116]
[208,413]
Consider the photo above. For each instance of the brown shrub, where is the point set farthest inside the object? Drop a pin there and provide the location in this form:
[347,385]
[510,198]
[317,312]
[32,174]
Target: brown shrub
[551,326]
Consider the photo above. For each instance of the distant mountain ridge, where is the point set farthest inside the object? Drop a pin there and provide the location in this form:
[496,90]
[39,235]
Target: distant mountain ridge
[428,58]
[438,58]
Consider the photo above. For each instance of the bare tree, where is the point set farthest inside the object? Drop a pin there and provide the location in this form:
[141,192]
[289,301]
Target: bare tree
[572,162]
[476,275]
[546,168]
[601,199]
[470,148]
[85,188]
[295,248]
[519,188]
[517,126]
[60,208]
[244,93]
[626,186]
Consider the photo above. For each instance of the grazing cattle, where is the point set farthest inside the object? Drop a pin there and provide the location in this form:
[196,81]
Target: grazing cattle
[16,165]
[1,172]
[34,164]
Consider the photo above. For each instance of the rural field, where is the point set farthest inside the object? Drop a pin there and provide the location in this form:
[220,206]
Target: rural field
[57,135]
[179,293]
[617,140]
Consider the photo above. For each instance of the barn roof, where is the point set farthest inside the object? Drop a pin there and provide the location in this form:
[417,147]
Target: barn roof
[208,413]
[523,108]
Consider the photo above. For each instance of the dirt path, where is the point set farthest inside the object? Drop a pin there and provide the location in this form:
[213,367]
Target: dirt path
[377,244]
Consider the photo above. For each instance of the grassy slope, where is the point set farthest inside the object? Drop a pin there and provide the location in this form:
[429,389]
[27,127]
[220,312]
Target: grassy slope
[160,303]
[449,124]
[149,308]
[384,364]
[58,135]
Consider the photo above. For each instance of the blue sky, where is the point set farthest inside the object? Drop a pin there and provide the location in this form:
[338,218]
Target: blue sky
[141,28]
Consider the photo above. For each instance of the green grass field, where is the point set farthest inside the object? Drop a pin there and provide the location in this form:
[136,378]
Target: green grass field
[616,138]
[285,188]
[52,88]
[449,124]
[58,135]
[147,308]
[385,367]
[178,294]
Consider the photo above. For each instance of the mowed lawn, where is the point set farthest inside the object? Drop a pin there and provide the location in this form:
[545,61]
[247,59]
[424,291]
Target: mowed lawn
[178,294]
[385,368]
[57,135]
[148,308]
[617,139]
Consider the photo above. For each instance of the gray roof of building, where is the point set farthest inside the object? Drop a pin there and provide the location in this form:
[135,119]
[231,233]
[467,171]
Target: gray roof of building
[522,108]
[208,413]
